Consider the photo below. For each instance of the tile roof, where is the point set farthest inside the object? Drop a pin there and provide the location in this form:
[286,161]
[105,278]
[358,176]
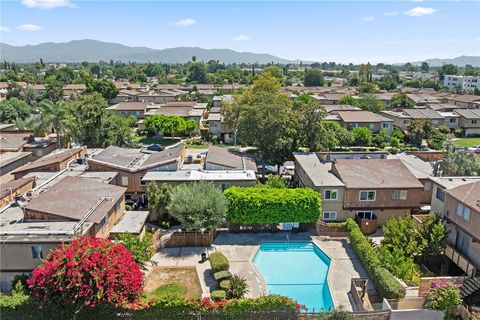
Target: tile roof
[375,174]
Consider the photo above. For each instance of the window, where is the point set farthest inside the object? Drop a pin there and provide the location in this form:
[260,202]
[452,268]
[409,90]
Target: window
[453,120]
[440,194]
[105,221]
[474,121]
[371,126]
[225,186]
[405,122]
[330,194]
[37,252]
[385,125]
[365,214]
[463,211]
[355,125]
[117,206]
[367,195]
[124,181]
[329,215]
[399,195]
[142,183]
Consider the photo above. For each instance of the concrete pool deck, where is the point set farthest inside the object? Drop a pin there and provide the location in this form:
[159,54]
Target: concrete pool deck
[240,249]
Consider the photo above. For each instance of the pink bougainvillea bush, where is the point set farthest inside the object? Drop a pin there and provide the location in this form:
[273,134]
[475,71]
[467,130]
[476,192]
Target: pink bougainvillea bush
[87,272]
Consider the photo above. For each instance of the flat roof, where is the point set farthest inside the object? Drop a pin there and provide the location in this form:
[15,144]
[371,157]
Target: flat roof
[73,197]
[318,172]
[10,157]
[136,159]
[126,106]
[131,222]
[200,175]
[14,141]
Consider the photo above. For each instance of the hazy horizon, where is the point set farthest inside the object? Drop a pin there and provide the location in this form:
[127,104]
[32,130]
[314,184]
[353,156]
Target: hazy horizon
[353,31]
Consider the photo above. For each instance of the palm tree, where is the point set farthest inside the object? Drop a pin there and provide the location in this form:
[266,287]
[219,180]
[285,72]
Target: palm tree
[52,114]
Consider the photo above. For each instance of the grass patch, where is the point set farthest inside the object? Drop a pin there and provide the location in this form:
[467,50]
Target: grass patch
[173,282]
[164,141]
[467,142]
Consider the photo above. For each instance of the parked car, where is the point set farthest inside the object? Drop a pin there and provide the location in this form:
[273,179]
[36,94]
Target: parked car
[155,147]
[474,148]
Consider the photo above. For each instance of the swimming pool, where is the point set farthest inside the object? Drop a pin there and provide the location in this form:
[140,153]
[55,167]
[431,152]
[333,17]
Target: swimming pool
[297,270]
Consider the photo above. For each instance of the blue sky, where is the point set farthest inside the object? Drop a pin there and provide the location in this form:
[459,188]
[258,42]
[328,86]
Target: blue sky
[341,31]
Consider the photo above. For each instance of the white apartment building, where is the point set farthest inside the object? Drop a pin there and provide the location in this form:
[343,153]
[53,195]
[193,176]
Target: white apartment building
[467,83]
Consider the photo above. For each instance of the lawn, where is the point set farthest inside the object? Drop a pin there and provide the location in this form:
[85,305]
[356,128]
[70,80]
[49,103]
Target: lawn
[164,141]
[168,282]
[467,142]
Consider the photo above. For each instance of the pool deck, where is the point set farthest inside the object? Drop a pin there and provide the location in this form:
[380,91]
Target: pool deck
[240,249]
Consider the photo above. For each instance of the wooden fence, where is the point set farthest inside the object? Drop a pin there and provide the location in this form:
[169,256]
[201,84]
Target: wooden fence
[323,229]
[189,239]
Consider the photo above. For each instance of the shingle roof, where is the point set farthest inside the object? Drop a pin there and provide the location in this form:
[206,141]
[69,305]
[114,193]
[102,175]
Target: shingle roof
[360,116]
[423,114]
[375,174]
[469,113]
[469,194]
[140,106]
[229,159]
[73,197]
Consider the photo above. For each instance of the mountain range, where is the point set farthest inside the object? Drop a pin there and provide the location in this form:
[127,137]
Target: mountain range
[94,51]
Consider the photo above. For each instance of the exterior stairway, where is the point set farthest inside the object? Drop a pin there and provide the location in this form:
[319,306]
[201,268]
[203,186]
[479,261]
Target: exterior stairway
[469,287]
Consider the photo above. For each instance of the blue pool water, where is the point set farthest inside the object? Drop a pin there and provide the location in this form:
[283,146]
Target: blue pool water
[297,270]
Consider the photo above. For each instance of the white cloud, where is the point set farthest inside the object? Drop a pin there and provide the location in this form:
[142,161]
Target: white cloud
[367,19]
[4,29]
[240,38]
[48,4]
[393,13]
[185,22]
[29,27]
[420,11]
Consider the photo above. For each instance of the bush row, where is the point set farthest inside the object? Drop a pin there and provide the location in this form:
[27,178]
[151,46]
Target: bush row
[219,265]
[267,307]
[272,205]
[385,282]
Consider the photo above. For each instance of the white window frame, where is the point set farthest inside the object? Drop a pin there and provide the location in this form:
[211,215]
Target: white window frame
[331,191]
[142,183]
[367,191]
[330,218]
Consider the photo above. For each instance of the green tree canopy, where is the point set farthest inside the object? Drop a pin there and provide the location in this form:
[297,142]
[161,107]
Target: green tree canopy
[370,102]
[275,71]
[362,136]
[313,77]
[199,205]
[165,124]
[103,86]
[457,163]
[13,109]
[401,101]
[310,113]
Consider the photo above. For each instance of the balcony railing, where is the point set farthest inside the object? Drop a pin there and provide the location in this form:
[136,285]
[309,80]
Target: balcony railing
[460,260]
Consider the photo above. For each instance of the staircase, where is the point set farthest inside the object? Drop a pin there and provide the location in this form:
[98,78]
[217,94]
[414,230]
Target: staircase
[469,287]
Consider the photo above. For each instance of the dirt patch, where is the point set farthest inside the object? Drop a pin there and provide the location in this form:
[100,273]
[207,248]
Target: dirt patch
[185,277]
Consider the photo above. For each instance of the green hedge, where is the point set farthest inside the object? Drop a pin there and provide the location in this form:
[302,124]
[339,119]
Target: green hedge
[385,282]
[218,295]
[250,205]
[218,262]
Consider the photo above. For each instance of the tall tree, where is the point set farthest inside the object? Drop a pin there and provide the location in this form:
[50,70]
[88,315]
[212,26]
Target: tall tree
[313,77]
[103,86]
[53,114]
[401,101]
[457,163]
[425,67]
[310,113]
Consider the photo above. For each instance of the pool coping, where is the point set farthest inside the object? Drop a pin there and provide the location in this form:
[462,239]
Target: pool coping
[264,283]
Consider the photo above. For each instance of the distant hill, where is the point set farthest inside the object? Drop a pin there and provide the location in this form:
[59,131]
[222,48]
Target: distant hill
[458,61]
[94,51]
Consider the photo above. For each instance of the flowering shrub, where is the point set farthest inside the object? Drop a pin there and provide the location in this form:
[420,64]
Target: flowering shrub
[87,272]
[443,295]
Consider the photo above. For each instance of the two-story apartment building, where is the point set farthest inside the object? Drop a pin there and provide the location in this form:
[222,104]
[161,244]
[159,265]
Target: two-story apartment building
[462,211]
[368,119]
[371,188]
[402,119]
[469,121]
